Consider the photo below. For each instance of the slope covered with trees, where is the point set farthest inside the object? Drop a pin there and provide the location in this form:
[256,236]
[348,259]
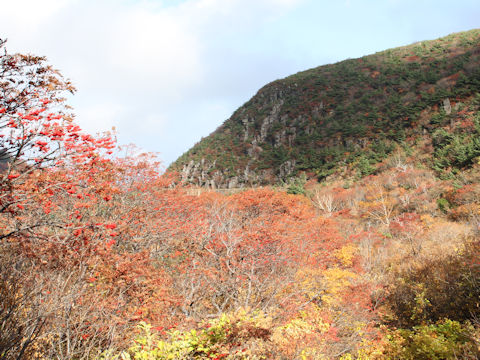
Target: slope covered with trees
[104,257]
[343,117]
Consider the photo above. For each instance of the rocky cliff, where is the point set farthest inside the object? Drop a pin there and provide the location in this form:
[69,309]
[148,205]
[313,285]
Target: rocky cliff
[348,115]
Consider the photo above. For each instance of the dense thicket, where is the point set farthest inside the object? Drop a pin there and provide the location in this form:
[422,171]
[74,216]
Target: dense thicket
[102,257]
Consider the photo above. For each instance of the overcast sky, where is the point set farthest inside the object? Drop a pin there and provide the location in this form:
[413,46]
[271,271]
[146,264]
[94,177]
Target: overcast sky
[165,73]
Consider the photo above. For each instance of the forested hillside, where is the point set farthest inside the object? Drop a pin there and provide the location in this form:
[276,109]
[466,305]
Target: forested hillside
[103,256]
[342,118]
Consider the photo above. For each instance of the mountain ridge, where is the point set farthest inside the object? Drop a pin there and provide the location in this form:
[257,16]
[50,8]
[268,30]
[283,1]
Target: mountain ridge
[341,117]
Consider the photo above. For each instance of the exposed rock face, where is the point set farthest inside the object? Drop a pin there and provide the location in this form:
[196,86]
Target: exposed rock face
[446,106]
[269,120]
[233,182]
[246,123]
[287,168]
[199,173]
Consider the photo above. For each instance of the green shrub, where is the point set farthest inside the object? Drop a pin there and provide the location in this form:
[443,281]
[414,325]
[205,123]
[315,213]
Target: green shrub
[445,339]
[438,289]
[192,344]
[443,205]
[242,335]
[364,168]
[296,185]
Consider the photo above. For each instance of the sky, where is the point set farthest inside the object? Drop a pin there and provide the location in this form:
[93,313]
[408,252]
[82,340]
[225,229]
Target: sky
[165,73]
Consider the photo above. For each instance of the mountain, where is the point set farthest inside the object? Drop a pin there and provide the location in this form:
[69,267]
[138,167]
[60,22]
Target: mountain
[345,118]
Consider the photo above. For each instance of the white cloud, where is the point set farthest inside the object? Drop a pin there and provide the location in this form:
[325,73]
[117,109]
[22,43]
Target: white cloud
[154,47]
[148,69]
[103,113]
[29,14]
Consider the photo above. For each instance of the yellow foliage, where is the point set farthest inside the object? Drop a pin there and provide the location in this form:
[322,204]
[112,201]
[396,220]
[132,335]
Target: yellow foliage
[428,221]
[327,285]
[310,281]
[336,280]
[303,336]
[367,350]
[346,254]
